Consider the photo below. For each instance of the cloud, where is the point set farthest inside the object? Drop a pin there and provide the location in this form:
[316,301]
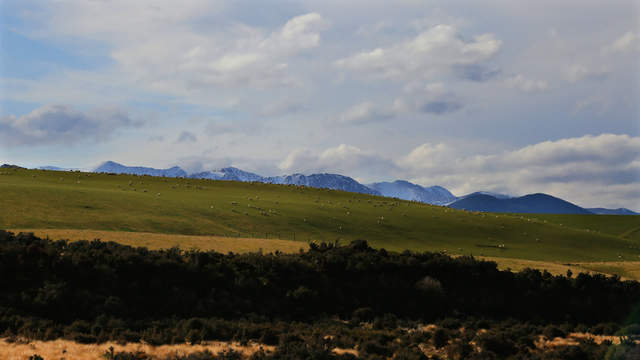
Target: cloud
[476,72]
[627,42]
[60,124]
[365,112]
[429,53]
[577,169]
[430,98]
[240,56]
[522,83]
[283,107]
[186,137]
[577,72]
[344,159]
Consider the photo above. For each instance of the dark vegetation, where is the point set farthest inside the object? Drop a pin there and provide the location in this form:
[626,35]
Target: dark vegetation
[307,304]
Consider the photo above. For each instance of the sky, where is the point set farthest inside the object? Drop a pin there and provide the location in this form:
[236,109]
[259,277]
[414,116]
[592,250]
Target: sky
[509,96]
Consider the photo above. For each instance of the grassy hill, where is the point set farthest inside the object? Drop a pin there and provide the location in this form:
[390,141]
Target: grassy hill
[37,199]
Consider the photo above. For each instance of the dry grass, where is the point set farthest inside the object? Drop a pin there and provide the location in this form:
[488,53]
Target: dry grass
[628,270]
[70,350]
[341,351]
[574,339]
[156,241]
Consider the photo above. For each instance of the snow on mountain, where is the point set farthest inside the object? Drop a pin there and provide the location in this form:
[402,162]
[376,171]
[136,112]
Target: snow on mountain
[328,181]
[115,168]
[405,190]
[619,211]
[228,173]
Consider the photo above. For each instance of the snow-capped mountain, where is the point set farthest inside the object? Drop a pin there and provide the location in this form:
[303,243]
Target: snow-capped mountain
[437,195]
[405,190]
[228,173]
[328,181]
[619,211]
[114,167]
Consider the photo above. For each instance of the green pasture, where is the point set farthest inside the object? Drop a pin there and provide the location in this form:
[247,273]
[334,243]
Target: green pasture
[37,199]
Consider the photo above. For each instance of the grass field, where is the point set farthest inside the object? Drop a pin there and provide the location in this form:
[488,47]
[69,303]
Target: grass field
[155,241]
[35,199]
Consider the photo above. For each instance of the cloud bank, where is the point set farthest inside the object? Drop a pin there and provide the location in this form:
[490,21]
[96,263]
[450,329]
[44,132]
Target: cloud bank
[601,170]
[60,124]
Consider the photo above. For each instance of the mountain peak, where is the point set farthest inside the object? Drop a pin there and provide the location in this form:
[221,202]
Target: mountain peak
[531,203]
[406,190]
[114,167]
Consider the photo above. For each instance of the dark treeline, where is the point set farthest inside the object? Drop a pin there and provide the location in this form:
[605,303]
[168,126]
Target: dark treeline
[64,281]
[367,299]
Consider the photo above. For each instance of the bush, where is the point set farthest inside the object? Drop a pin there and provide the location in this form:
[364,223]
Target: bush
[440,338]
[551,332]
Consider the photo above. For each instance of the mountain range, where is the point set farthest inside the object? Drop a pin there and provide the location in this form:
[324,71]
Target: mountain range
[401,189]
[533,203]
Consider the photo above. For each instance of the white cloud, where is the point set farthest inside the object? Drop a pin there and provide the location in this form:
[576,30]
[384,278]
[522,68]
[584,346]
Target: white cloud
[344,159]
[430,52]
[627,42]
[60,124]
[577,72]
[591,171]
[577,169]
[365,112]
[241,56]
[525,84]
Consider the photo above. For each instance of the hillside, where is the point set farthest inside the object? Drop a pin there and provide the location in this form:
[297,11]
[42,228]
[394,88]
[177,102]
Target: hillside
[35,199]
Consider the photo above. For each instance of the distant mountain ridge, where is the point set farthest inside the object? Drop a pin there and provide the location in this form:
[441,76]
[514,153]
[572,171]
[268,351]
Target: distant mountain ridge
[619,211]
[405,190]
[329,181]
[495,195]
[401,189]
[55,168]
[114,167]
[10,166]
[533,203]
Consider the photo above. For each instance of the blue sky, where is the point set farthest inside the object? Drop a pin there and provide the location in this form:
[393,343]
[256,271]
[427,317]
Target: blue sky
[506,96]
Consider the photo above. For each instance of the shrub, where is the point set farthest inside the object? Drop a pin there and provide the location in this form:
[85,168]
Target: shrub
[440,338]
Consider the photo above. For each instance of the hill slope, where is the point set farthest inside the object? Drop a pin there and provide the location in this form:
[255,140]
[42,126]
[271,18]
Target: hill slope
[534,203]
[36,199]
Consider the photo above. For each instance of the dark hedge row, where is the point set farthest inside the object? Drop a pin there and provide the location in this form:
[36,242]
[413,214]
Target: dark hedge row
[63,282]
